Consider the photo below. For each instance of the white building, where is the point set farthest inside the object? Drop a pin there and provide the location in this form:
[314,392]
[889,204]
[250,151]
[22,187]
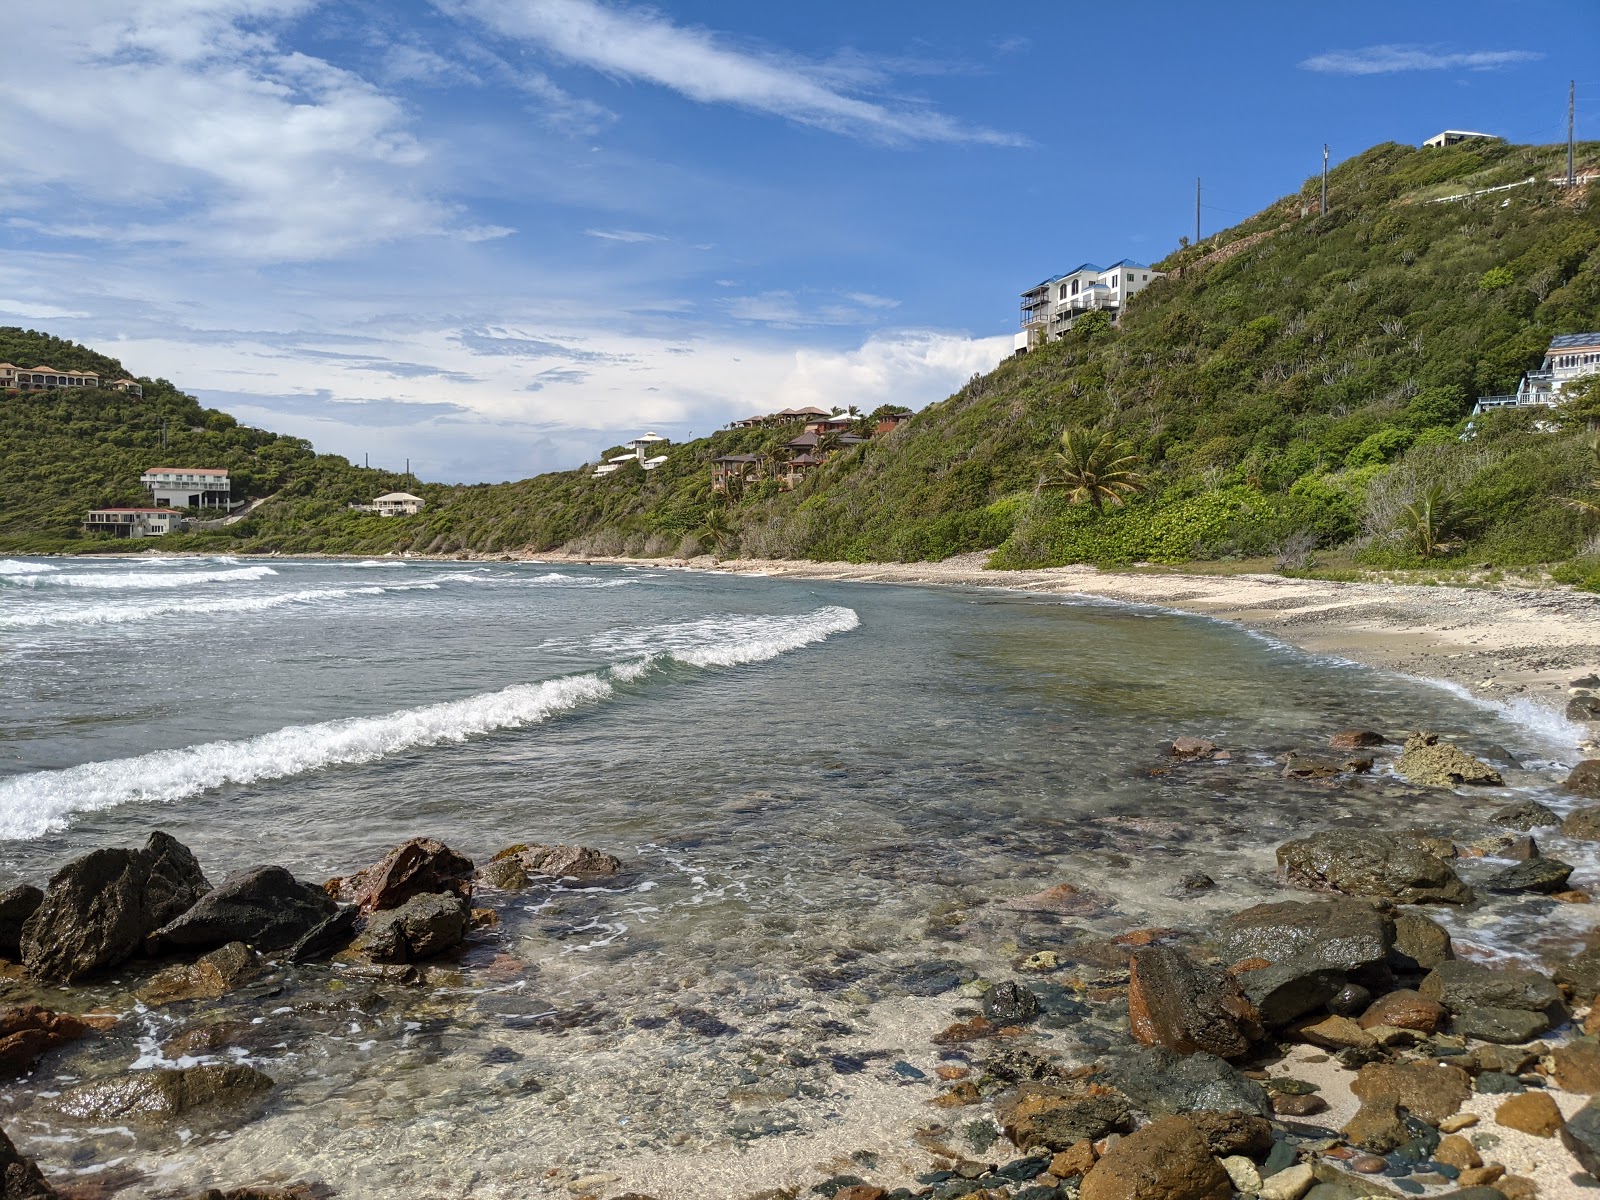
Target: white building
[394,504]
[1449,137]
[640,453]
[1049,308]
[189,487]
[1570,356]
[132,522]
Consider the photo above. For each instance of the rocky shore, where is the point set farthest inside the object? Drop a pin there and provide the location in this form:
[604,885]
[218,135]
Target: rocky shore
[1336,1043]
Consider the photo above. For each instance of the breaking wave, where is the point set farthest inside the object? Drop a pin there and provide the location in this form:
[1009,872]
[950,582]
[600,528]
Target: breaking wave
[121,614]
[141,579]
[12,566]
[729,641]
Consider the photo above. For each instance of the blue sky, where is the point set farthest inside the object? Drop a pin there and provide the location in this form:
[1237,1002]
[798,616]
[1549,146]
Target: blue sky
[497,236]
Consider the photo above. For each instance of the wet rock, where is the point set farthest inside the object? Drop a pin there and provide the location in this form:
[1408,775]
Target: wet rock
[1312,767]
[1582,824]
[296,1191]
[1340,933]
[559,862]
[1039,1114]
[1350,1001]
[1160,1081]
[1233,1132]
[1581,973]
[1532,1112]
[1581,1135]
[1513,1060]
[1191,748]
[1357,739]
[1584,779]
[98,909]
[1298,1106]
[1334,1033]
[1074,1162]
[161,1095]
[1464,985]
[1507,1026]
[1405,1009]
[418,867]
[20,1179]
[201,1041]
[1420,943]
[1377,1126]
[326,938]
[1289,1184]
[1062,899]
[1545,875]
[1196,881]
[1285,991]
[1576,1065]
[932,978]
[28,1033]
[1174,1001]
[16,906]
[1525,815]
[1371,864]
[1583,708]
[212,976]
[265,907]
[1428,1091]
[1010,1004]
[424,926]
[1165,1160]
[1497,1083]
[1427,760]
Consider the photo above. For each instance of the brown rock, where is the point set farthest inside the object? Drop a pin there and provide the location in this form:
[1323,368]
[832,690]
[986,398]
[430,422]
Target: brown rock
[965,1031]
[1040,1114]
[200,1041]
[19,1178]
[960,1096]
[1428,1091]
[1584,779]
[28,1033]
[1420,943]
[1404,1010]
[1369,1164]
[1377,1126]
[1427,760]
[1517,1187]
[1192,747]
[1073,1162]
[860,1191]
[1356,739]
[1298,1106]
[1175,1002]
[1530,1112]
[207,978]
[1456,1151]
[1062,899]
[1481,1176]
[1577,1066]
[1165,1160]
[1233,1132]
[1334,1033]
[419,866]
[514,867]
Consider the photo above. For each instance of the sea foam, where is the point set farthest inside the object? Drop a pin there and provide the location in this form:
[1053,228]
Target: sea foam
[12,566]
[125,613]
[729,641]
[36,803]
[141,579]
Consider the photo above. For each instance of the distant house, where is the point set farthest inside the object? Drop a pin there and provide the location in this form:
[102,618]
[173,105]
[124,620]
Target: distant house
[890,422]
[42,378]
[132,386]
[132,522]
[1049,308]
[394,504]
[731,468]
[831,423]
[640,449]
[189,487]
[1570,356]
[1449,137]
[787,417]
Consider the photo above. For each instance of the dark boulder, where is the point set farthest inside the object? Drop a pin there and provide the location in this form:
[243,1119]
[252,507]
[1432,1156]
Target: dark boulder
[1584,779]
[1371,864]
[16,906]
[1286,990]
[1583,708]
[1420,943]
[422,927]
[1582,824]
[1524,815]
[1581,973]
[211,977]
[30,1032]
[1040,1114]
[1010,1003]
[1176,1002]
[1504,1026]
[163,1094]
[1545,875]
[1342,934]
[265,907]
[1581,1135]
[1460,986]
[420,866]
[20,1179]
[98,909]
[328,937]
[1159,1081]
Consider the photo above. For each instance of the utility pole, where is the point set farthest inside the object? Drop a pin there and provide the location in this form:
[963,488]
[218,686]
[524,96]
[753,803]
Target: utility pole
[1572,96]
[366,460]
[408,468]
[1197,210]
[1324,179]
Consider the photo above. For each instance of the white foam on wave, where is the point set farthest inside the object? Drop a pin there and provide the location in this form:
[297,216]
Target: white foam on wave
[379,562]
[34,804]
[1547,726]
[732,640]
[13,566]
[144,579]
[122,614]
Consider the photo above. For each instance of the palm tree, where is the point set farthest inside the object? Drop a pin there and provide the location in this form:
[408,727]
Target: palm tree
[1095,467]
[716,531]
[1431,519]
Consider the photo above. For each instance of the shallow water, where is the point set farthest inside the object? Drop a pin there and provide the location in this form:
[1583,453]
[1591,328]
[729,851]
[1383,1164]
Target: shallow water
[818,789]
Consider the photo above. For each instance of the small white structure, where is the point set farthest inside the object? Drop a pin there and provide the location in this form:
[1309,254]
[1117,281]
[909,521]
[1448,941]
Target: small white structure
[1571,356]
[1449,137]
[132,522]
[1049,308]
[189,487]
[640,447]
[394,504]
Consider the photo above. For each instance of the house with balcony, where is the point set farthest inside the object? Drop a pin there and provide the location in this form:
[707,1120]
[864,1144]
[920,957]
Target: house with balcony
[1050,308]
[132,522]
[189,487]
[1570,357]
[639,452]
[43,378]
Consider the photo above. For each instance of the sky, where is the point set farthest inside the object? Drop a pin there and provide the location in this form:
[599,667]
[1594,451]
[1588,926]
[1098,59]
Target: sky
[495,237]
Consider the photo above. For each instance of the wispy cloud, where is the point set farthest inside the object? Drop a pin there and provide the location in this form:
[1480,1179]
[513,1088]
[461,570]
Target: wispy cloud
[624,235]
[1390,59]
[642,44]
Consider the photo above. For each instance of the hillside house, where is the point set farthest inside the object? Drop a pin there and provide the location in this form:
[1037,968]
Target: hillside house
[132,522]
[831,423]
[1450,137]
[43,378]
[1571,356]
[639,452]
[394,504]
[731,469]
[787,417]
[189,487]
[1049,308]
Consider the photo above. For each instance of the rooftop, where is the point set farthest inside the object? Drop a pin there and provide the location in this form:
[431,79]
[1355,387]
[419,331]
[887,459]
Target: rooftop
[1570,341]
[175,512]
[186,471]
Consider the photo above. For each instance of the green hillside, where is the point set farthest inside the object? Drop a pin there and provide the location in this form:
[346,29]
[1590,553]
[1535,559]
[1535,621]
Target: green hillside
[1298,378]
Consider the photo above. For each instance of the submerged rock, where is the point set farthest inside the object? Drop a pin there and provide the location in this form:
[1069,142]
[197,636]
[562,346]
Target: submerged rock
[16,906]
[28,1033]
[212,976]
[422,865]
[1357,739]
[1427,760]
[1584,779]
[515,866]
[1178,1003]
[265,907]
[1343,934]
[1062,899]
[422,927]
[163,1094]
[1525,815]
[1039,1114]
[1010,1004]
[20,1179]
[98,909]
[1167,1159]
[1371,864]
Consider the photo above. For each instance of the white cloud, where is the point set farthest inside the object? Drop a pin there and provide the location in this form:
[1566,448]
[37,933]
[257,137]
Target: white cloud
[1388,59]
[624,235]
[641,44]
[909,367]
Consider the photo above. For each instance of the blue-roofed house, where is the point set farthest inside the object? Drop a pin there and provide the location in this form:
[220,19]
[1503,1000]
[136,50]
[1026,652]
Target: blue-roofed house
[1050,307]
[1570,356]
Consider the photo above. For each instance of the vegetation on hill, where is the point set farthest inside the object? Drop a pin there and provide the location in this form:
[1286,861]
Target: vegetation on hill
[1299,381]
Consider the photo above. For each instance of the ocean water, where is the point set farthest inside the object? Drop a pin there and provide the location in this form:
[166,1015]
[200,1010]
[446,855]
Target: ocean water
[819,790]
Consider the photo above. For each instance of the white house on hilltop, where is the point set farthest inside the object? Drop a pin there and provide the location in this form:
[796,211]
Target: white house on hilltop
[640,453]
[1571,356]
[189,487]
[1049,308]
[394,504]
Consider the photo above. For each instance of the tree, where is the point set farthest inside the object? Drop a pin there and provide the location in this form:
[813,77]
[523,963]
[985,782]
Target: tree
[1580,400]
[1095,467]
[1432,519]
[716,531]
[1589,508]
